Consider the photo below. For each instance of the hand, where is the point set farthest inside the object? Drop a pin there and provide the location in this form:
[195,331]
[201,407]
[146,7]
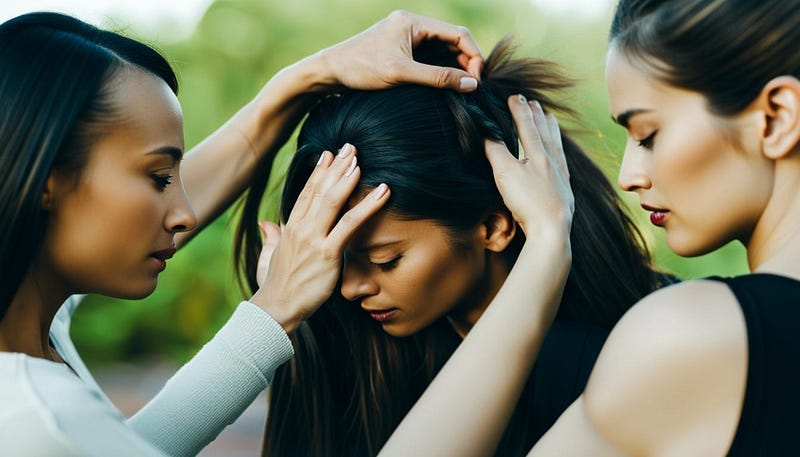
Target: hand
[535,188]
[306,261]
[381,56]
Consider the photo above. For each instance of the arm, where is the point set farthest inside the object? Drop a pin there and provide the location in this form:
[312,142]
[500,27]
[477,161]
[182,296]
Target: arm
[669,382]
[216,171]
[466,408]
[302,264]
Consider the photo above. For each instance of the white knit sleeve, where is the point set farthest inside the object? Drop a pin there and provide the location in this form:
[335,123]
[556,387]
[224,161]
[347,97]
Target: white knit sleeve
[217,385]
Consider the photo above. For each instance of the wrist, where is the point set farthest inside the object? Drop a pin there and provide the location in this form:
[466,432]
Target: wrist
[280,312]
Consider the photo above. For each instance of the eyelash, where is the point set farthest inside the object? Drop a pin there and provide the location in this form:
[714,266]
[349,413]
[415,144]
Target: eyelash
[387,266]
[162,181]
[647,143]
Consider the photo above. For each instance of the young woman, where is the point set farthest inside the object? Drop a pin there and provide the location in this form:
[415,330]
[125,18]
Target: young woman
[429,263]
[708,92]
[91,201]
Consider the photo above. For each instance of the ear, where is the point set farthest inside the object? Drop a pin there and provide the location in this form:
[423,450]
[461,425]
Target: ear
[780,103]
[498,229]
[48,195]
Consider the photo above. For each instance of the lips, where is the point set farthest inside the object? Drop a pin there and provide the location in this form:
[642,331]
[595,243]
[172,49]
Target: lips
[658,216]
[160,258]
[382,315]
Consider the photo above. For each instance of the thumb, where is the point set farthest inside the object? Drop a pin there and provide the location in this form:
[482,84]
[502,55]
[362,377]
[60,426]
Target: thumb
[269,231]
[440,77]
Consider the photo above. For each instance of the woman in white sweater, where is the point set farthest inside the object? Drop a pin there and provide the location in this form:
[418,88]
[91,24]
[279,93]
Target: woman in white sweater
[92,201]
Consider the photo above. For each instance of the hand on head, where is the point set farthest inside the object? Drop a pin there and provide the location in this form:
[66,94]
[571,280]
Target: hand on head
[381,56]
[300,264]
[535,187]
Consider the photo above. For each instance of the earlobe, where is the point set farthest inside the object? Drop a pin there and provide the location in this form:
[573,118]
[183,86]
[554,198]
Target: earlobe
[499,230]
[780,100]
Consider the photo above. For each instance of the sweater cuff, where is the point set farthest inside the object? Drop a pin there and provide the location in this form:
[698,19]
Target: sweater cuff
[257,338]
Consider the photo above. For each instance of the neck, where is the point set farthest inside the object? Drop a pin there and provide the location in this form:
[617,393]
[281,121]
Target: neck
[26,326]
[464,316]
[775,243]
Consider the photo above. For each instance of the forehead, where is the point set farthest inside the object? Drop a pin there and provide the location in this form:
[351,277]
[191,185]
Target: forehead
[148,115]
[386,227]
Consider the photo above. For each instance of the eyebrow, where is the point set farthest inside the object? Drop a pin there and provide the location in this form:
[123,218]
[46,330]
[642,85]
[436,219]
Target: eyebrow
[624,118]
[175,153]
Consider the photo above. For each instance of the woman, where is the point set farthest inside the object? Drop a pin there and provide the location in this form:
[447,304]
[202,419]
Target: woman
[430,262]
[91,201]
[708,92]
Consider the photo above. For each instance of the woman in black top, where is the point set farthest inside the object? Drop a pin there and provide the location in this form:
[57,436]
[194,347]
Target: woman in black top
[709,94]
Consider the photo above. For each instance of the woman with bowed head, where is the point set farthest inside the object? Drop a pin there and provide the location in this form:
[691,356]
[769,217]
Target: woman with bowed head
[708,92]
[92,200]
[417,275]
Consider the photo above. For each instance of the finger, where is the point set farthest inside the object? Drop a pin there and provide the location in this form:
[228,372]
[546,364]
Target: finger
[357,215]
[527,131]
[558,146]
[435,76]
[306,195]
[428,28]
[541,125]
[500,158]
[326,174]
[334,190]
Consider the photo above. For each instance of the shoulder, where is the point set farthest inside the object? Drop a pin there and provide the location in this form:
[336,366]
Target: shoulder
[27,425]
[667,366]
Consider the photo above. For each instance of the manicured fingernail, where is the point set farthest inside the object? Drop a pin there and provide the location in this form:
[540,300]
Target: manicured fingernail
[346,150]
[467,83]
[378,192]
[321,157]
[522,99]
[351,168]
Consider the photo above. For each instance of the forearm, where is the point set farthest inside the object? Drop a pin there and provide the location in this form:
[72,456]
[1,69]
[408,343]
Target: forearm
[217,385]
[217,170]
[466,408]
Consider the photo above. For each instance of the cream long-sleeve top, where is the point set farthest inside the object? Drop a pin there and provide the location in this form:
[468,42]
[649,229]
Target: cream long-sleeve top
[53,409]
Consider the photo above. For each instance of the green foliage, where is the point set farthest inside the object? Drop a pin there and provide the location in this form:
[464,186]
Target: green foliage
[236,47]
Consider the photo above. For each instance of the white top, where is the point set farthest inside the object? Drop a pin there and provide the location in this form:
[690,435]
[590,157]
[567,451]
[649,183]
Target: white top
[47,410]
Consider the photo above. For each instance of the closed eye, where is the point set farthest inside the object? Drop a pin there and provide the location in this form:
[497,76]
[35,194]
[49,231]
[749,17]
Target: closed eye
[647,143]
[388,265]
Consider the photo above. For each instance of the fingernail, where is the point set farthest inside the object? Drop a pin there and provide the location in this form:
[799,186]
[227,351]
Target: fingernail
[522,99]
[346,150]
[351,168]
[378,192]
[467,83]
[321,156]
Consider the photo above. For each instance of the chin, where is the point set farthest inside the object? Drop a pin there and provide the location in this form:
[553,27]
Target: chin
[133,293]
[692,248]
[399,331]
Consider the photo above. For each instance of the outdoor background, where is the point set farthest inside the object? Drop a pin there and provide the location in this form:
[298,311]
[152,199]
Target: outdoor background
[225,50]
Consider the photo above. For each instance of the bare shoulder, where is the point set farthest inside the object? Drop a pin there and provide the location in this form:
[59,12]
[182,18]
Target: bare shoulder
[670,379]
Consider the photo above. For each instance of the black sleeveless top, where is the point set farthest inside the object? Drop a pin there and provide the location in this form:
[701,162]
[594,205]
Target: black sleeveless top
[769,423]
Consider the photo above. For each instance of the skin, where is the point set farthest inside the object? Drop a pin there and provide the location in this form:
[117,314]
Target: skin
[671,378]
[679,158]
[106,229]
[417,272]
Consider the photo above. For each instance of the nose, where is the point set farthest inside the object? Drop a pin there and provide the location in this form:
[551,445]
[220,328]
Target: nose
[633,174]
[357,283]
[181,216]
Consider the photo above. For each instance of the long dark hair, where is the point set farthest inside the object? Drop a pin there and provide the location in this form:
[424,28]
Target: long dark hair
[726,50]
[55,74]
[350,383]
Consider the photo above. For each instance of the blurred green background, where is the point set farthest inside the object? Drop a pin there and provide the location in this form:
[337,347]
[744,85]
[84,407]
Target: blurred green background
[236,47]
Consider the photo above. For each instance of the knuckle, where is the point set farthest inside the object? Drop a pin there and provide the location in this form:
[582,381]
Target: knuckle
[399,15]
[442,78]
